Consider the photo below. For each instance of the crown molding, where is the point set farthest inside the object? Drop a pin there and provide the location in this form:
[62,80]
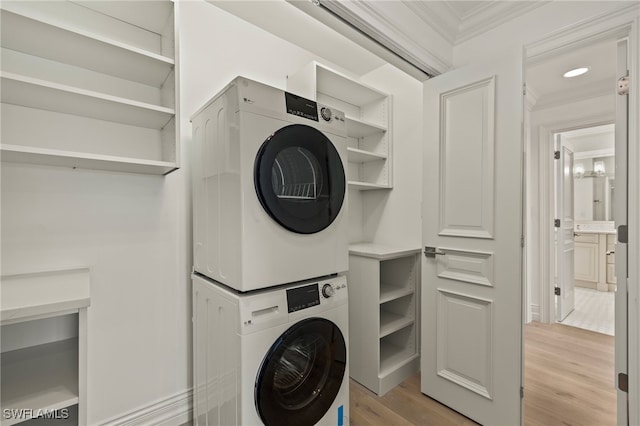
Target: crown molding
[438,15]
[492,14]
[390,31]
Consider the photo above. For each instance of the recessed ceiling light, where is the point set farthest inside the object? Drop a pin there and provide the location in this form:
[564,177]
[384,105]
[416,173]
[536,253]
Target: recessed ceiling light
[576,72]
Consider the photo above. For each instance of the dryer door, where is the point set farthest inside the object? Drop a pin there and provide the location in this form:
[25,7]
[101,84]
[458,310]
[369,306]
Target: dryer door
[301,374]
[299,179]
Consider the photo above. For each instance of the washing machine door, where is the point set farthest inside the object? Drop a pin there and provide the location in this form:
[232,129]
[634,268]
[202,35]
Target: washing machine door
[301,374]
[299,179]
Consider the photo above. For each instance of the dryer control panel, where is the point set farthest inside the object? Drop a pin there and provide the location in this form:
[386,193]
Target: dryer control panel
[313,294]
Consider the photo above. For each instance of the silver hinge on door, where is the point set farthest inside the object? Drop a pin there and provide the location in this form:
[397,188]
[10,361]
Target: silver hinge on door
[623,382]
[623,85]
[521,392]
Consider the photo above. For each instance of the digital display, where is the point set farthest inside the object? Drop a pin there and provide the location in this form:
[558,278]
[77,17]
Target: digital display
[303,297]
[301,107]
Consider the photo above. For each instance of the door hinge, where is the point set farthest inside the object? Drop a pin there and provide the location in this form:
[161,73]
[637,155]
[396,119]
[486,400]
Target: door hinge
[623,234]
[623,382]
[557,291]
[524,89]
[521,392]
[522,241]
[623,86]
[556,155]
[556,223]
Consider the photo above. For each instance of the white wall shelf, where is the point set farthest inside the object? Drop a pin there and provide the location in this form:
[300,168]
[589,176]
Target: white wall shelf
[91,51]
[35,93]
[43,365]
[64,63]
[30,155]
[383,314]
[368,117]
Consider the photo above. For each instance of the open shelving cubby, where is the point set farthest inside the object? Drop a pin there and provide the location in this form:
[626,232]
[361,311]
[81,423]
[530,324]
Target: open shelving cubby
[90,85]
[383,314]
[368,116]
[44,346]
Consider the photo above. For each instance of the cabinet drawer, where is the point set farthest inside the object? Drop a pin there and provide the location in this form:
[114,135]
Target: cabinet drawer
[586,238]
[611,274]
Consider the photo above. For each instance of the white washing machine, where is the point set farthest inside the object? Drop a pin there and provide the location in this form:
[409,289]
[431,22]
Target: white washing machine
[269,189]
[276,356]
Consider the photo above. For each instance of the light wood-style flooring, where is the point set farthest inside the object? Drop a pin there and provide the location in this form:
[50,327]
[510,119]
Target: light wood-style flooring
[568,381]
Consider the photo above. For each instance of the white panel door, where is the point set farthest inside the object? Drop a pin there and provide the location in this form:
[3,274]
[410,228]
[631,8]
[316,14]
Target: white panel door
[565,251]
[471,357]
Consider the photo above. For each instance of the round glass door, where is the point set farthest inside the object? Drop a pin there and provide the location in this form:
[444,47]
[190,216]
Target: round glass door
[299,179]
[301,374]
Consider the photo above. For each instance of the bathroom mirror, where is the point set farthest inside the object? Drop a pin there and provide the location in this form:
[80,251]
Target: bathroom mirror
[594,187]
[593,171]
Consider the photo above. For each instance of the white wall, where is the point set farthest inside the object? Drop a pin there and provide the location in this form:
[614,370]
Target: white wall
[394,217]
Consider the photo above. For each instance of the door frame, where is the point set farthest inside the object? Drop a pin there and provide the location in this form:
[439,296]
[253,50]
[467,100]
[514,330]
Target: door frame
[621,23]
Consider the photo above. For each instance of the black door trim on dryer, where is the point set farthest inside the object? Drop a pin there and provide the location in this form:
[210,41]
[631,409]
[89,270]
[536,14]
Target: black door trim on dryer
[299,179]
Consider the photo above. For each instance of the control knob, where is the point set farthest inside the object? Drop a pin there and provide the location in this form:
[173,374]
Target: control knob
[328,291]
[325,113]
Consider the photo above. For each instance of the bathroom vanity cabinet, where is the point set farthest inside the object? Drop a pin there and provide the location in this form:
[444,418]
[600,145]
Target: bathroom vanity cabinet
[595,260]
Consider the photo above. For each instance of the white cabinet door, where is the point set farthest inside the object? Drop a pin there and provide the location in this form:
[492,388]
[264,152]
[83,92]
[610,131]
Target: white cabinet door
[586,262]
[471,357]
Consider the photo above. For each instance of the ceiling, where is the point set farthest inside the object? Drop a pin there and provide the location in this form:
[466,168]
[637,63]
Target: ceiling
[548,86]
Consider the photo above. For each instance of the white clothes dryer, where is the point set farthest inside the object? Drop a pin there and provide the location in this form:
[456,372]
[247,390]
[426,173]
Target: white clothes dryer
[269,188]
[276,356]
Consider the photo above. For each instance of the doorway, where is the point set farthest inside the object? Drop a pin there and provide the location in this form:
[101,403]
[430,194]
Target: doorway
[562,113]
[589,183]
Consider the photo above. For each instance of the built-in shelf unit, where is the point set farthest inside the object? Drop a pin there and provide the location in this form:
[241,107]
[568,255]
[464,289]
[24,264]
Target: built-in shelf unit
[368,117]
[383,315]
[90,84]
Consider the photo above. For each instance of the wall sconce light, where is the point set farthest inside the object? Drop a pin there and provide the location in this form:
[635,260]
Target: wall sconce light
[598,167]
[578,170]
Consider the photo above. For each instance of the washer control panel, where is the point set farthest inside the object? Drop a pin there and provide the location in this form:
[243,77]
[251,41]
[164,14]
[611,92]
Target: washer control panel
[305,296]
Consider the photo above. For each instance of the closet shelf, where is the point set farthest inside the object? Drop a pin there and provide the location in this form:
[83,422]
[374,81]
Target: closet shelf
[356,155]
[365,186]
[390,292]
[391,322]
[359,129]
[40,94]
[393,357]
[336,85]
[40,377]
[54,157]
[62,44]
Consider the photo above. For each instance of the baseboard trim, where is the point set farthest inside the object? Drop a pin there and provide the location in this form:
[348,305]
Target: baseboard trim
[535,312]
[173,411]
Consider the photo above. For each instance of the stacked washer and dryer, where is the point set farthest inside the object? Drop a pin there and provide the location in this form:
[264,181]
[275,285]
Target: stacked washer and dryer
[270,311]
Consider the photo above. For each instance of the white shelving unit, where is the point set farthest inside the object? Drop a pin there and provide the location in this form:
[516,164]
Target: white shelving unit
[383,315]
[44,344]
[368,116]
[90,84]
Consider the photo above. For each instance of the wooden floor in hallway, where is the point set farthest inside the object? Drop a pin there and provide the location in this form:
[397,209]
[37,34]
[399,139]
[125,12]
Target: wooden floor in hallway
[568,381]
